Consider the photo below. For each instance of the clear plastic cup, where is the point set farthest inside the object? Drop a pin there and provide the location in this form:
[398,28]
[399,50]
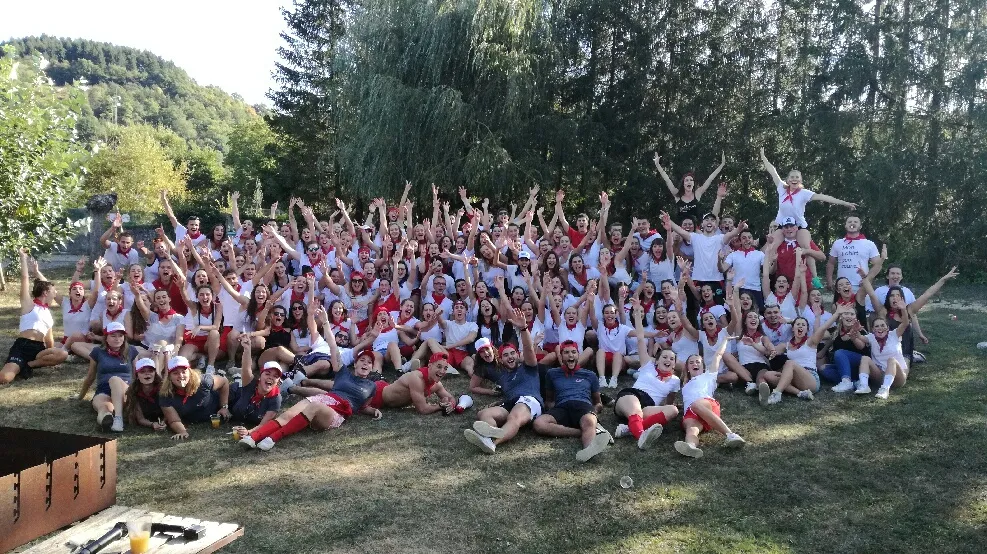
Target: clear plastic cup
[214,419]
[139,531]
[626,482]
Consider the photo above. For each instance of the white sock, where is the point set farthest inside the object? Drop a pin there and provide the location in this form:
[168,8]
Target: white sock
[888,379]
[864,379]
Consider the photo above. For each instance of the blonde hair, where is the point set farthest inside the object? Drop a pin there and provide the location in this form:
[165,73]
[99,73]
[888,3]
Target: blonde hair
[195,379]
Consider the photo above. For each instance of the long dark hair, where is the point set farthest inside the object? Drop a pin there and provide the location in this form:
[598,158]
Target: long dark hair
[300,322]
[489,322]
[252,307]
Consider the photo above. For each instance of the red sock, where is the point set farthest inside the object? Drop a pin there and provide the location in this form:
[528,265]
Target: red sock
[294,425]
[658,418]
[265,430]
[636,424]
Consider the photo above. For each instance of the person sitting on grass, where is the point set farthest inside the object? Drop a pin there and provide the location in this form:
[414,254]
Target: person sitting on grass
[110,368]
[352,391]
[189,396]
[254,402]
[141,405]
[459,334]
[702,411]
[518,376]
[644,408]
[573,399]
[35,343]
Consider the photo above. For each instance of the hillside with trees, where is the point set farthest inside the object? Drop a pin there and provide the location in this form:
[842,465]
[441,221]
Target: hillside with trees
[151,90]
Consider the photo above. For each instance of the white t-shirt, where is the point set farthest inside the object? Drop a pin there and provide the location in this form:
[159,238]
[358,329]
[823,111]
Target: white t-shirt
[891,350]
[882,295]
[457,332]
[613,340]
[793,206]
[746,266]
[646,241]
[787,304]
[120,261]
[706,257]
[853,254]
[656,272]
[709,350]
[748,354]
[649,382]
[702,386]
[75,323]
[576,334]
[777,336]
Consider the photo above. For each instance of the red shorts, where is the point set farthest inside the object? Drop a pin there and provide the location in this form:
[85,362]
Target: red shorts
[338,405]
[541,355]
[549,347]
[456,357]
[198,341]
[224,338]
[689,414]
[407,350]
[608,359]
[378,400]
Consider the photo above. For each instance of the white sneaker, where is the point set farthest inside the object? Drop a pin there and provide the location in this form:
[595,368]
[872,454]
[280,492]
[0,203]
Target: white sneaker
[452,371]
[649,436]
[750,389]
[774,398]
[484,429]
[613,382]
[734,441]
[266,444]
[806,395]
[600,443]
[845,385]
[862,388]
[883,393]
[621,431]
[603,382]
[247,442]
[763,393]
[486,444]
[210,370]
[117,426]
[405,367]
[687,449]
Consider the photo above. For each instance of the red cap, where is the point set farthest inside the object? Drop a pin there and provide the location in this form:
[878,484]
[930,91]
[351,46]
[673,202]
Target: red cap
[365,352]
[438,356]
[356,275]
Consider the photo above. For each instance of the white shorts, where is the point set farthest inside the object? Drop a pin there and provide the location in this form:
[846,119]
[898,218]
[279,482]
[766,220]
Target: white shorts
[532,403]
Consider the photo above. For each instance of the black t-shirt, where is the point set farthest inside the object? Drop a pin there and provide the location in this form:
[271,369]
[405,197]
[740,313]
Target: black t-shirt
[243,407]
[840,343]
[688,209]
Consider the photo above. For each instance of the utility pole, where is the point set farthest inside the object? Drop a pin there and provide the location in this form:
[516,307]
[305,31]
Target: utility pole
[116,104]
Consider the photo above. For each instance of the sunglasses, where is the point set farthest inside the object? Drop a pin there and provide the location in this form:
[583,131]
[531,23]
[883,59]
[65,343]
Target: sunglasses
[298,308]
[279,314]
[314,249]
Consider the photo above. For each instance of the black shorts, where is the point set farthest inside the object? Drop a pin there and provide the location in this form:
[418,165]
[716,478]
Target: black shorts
[778,362]
[756,368]
[22,352]
[569,413]
[643,397]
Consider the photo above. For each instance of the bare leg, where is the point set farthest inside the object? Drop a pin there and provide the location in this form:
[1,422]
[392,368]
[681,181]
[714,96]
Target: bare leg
[803,238]
[394,355]
[212,347]
[601,365]
[584,357]
[117,391]
[49,357]
[704,409]
[8,373]
[546,425]
[83,349]
[587,427]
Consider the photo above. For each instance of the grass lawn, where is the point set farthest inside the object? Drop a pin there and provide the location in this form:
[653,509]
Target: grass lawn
[840,474]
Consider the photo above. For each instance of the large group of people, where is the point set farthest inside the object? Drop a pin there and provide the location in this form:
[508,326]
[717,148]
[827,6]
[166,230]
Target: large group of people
[543,315]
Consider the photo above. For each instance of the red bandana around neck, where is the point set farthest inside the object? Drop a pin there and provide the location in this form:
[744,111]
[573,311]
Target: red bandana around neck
[789,196]
[799,344]
[116,354]
[38,302]
[195,235]
[258,397]
[166,313]
[746,251]
[881,342]
[73,309]
[714,338]
[848,239]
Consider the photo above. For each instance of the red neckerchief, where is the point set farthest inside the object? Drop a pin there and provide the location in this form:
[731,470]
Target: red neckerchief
[882,342]
[648,305]
[117,354]
[649,234]
[439,298]
[40,303]
[814,312]
[158,284]
[402,321]
[656,259]
[848,239]
[789,196]
[773,327]
[706,308]
[202,310]
[216,245]
[664,374]
[246,235]
[195,235]
[166,314]
[73,309]
[779,299]
[297,297]
[150,397]
[112,315]
[663,327]
[325,251]
[107,288]
[746,251]
[844,302]
[277,329]
[798,344]
[531,325]
[755,336]
[581,277]
[714,338]
[180,391]
[123,252]
[257,397]
[237,287]
[567,371]
[894,313]
[616,324]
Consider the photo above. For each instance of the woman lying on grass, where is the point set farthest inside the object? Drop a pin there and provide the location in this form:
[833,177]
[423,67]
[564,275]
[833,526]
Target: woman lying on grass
[110,368]
[351,390]
[702,411]
[189,396]
[644,408]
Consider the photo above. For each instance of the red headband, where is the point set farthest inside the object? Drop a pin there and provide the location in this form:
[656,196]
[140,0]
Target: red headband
[506,346]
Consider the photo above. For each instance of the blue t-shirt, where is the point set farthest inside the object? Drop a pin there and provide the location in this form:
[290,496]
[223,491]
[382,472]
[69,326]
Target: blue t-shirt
[244,409]
[577,388]
[525,380]
[195,408]
[112,366]
[355,390]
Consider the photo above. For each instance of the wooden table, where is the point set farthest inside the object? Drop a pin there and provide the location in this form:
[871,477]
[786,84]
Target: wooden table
[217,535]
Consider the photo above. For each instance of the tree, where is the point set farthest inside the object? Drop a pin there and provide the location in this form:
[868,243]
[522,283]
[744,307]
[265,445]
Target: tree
[250,155]
[136,167]
[40,163]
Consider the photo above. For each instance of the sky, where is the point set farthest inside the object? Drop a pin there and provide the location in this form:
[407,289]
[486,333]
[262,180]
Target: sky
[228,43]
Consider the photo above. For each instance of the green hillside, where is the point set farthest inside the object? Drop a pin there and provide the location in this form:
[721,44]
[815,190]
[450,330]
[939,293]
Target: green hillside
[150,89]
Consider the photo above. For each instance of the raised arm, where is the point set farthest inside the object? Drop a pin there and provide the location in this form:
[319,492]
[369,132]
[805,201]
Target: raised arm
[559,196]
[642,343]
[168,210]
[914,307]
[527,344]
[712,176]
[235,210]
[666,178]
[832,200]
[770,169]
[666,220]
